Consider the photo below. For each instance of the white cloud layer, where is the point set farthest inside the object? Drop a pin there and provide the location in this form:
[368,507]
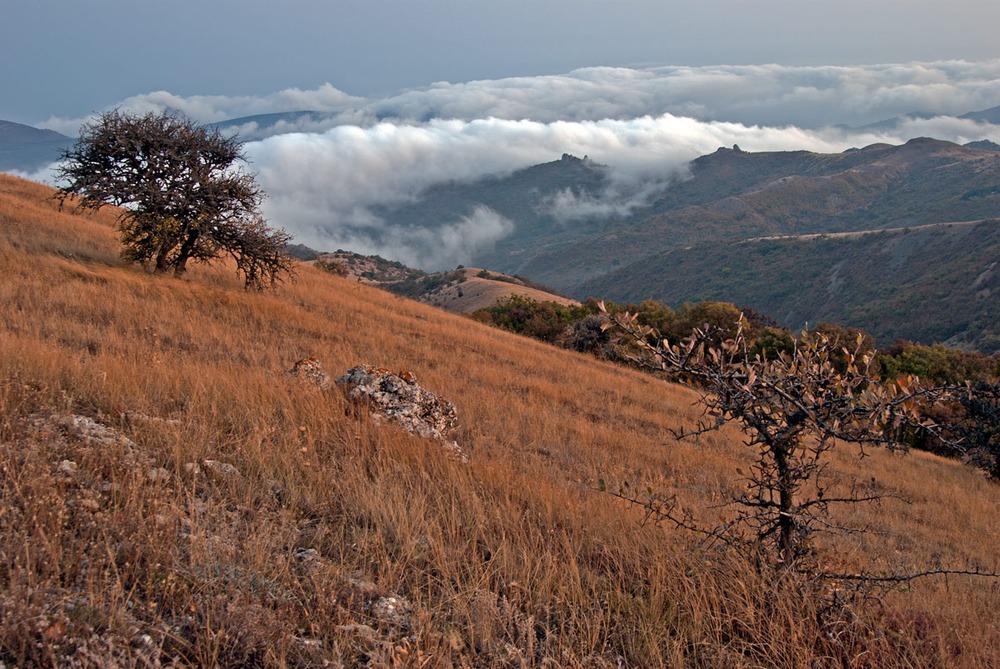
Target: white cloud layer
[809,97]
[326,172]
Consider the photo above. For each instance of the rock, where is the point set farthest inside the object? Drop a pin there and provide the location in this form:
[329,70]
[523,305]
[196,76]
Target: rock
[158,475]
[307,557]
[309,370]
[91,432]
[221,470]
[393,611]
[398,398]
[68,468]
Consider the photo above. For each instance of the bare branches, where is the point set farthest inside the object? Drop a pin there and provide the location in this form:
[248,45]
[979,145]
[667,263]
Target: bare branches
[181,195]
[892,579]
[793,408]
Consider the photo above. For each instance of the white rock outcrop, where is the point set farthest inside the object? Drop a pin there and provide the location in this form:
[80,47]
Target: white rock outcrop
[399,399]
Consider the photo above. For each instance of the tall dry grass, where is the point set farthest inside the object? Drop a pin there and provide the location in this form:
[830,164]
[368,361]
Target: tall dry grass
[122,555]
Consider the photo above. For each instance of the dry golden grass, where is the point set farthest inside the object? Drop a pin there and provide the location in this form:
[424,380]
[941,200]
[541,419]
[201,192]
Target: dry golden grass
[117,555]
[477,292]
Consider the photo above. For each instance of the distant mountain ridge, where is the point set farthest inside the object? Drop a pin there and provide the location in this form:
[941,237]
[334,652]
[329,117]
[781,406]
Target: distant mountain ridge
[734,195]
[669,249]
[28,149]
[991,115]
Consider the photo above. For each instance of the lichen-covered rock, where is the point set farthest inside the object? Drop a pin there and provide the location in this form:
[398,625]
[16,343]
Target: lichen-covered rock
[91,432]
[393,611]
[221,470]
[398,398]
[308,370]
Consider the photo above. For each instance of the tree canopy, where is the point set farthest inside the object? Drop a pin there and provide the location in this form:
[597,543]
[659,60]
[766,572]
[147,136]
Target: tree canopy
[181,191]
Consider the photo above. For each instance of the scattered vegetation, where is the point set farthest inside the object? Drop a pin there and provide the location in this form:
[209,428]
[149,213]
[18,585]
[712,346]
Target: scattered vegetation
[793,408]
[321,523]
[547,321]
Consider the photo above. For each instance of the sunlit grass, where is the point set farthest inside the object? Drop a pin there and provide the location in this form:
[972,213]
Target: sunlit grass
[514,559]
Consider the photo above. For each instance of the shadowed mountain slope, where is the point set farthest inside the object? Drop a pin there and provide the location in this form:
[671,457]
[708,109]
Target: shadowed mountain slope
[733,195]
[27,149]
[934,283]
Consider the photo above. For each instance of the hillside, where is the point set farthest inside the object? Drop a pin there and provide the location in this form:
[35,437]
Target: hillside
[223,514]
[461,290]
[735,195]
[934,283]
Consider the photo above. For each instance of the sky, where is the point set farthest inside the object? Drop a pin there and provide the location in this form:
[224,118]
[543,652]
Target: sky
[417,91]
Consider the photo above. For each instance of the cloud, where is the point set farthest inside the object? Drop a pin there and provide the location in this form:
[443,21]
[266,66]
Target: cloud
[325,182]
[330,172]
[46,175]
[214,108]
[808,97]
[430,248]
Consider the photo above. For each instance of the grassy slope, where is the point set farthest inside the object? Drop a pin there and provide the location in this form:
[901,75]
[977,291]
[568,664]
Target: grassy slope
[477,292]
[510,560]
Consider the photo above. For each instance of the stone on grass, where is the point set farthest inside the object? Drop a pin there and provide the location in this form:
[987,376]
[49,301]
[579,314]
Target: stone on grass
[399,399]
[90,432]
[309,370]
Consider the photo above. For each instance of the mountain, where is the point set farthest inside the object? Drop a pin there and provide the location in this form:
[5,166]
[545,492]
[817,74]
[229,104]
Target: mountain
[669,249]
[27,149]
[733,195]
[170,495]
[932,283]
[984,144]
[728,195]
[991,115]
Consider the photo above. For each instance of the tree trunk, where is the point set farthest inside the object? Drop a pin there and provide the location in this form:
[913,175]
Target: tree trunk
[786,502]
[161,259]
[180,264]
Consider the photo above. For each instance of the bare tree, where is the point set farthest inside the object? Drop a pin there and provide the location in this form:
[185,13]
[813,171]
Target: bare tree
[793,408]
[182,194]
[979,428]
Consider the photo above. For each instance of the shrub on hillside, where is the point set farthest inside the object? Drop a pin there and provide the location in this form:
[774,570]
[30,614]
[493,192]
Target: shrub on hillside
[589,335]
[547,321]
[981,429]
[936,364]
